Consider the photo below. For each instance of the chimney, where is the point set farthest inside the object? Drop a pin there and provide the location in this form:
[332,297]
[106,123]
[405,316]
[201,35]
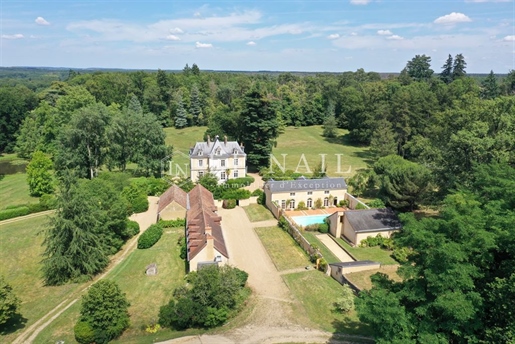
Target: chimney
[210,247]
[208,140]
[216,137]
[242,147]
[225,140]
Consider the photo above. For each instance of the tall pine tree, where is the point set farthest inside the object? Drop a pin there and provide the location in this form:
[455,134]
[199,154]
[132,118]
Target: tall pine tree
[446,74]
[181,120]
[459,66]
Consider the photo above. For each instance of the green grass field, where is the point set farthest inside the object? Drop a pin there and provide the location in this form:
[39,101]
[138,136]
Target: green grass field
[375,254]
[295,142]
[316,294]
[313,240]
[15,190]
[146,294]
[362,279]
[282,249]
[258,212]
[20,255]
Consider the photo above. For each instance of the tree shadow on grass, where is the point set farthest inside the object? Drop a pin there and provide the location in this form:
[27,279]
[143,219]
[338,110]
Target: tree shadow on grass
[345,140]
[14,324]
[350,330]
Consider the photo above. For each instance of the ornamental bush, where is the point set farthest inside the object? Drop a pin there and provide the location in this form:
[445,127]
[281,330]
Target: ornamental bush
[14,212]
[131,229]
[172,223]
[229,204]
[150,237]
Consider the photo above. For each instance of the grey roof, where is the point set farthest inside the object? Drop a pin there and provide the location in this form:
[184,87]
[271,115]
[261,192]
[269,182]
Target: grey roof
[373,220]
[227,149]
[306,184]
[356,263]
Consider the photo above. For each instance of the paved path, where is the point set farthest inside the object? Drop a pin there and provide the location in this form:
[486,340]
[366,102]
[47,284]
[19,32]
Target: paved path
[334,248]
[145,220]
[30,216]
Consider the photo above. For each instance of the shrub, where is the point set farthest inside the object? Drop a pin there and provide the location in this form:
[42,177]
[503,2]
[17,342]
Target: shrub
[323,228]
[150,237]
[84,333]
[239,182]
[262,199]
[257,192]
[343,203]
[302,206]
[235,194]
[318,203]
[229,203]
[376,203]
[131,229]
[184,247]
[137,199]
[311,228]
[14,212]
[400,254]
[216,317]
[48,201]
[345,303]
[172,223]
[9,303]
[360,206]
[283,223]
[322,265]
[105,309]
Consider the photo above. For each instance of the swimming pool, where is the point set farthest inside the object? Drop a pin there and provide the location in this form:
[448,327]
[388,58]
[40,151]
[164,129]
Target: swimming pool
[308,220]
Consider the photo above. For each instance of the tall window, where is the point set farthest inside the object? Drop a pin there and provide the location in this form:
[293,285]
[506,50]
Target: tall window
[310,203]
[235,173]
[200,163]
[222,176]
[222,163]
[292,204]
[326,202]
[283,204]
[235,161]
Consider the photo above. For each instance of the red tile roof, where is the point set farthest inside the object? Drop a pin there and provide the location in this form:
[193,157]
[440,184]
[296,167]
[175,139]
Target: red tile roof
[174,193]
[201,215]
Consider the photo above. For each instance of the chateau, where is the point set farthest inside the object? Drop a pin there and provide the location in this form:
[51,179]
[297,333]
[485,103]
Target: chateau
[225,159]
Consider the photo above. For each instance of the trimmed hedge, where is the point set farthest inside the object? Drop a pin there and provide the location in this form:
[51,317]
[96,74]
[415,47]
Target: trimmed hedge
[172,223]
[46,202]
[229,204]
[150,237]
[239,182]
[14,212]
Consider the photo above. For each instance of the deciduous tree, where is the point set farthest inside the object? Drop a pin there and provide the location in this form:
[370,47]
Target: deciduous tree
[39,177]
[9,303]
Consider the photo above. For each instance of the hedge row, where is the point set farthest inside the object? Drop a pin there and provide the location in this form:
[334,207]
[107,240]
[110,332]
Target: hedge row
[172,223]
[46,202]
[150,237]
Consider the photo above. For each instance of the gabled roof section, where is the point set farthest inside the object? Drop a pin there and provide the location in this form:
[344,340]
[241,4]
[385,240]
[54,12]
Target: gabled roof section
[217,149]
[173,193]
[306,184]
[201,218]
[373,220]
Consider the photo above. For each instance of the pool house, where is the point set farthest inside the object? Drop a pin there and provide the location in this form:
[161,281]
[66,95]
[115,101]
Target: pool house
[287,194]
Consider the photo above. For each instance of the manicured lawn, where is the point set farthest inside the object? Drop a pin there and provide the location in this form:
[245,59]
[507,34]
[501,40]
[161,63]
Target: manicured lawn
[309,141]
[362,279]
[146,294]
[20,255]
[281,247]
[313,240]
[375,254]
[294,142]
[182,140]
[13,158]
[15,190]
[316,294]
[258,212]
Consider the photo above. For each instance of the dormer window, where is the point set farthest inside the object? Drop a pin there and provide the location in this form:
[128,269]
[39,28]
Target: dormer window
[218,151]
[199,152]
[235,151]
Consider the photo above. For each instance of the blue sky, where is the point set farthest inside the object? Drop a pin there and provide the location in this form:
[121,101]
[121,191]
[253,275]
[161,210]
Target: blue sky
[289,35]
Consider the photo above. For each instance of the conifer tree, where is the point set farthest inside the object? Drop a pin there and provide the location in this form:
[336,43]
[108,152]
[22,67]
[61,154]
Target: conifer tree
[446,74]
[181,120]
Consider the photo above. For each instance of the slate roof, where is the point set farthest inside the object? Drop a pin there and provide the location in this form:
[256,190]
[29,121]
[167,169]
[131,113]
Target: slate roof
[210,148]
[355,263]
[200,215]
[173,193]
[303,184]
[373,220]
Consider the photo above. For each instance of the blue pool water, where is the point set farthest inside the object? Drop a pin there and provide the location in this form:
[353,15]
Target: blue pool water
[308,220]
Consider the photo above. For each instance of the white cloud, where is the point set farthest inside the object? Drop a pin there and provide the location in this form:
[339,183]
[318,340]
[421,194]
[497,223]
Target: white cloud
[452,18]
[176,30]
[360,2]
[509,38]
[333,36]
[15,36]
[172,38]
[197,14]
[41,21]
[353,33]
[384,32]
[252,43]
[203,45]
[395,37]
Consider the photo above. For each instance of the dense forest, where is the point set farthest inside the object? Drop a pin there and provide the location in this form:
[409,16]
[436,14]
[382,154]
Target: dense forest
[439,138]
